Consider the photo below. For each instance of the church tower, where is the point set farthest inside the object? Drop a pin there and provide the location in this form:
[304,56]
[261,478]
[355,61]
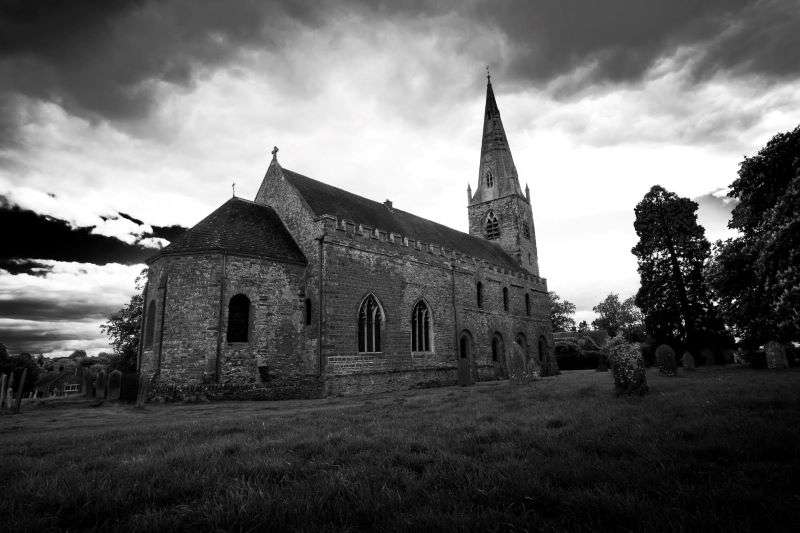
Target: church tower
[498,211]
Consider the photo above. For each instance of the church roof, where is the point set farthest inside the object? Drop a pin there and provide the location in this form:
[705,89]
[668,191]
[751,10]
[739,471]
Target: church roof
[239,227]
[324,199]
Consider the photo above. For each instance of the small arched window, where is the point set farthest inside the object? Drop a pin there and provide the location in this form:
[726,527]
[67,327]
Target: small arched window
[308,311]
[150,324]
[370,320]
[527,304]
[492,226]
[489,178]
[505,298]
[420,328]
[526,231]
[479,293]
[238,318]
[497,346]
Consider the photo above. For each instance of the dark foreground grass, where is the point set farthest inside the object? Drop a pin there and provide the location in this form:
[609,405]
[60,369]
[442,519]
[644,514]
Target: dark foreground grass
[718,450]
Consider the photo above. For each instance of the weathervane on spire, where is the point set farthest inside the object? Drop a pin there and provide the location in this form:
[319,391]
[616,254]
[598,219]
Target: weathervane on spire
[488,74]
[233,188]
[274,152]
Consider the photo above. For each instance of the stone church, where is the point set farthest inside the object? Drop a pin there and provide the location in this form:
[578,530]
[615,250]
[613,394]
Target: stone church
[311,290]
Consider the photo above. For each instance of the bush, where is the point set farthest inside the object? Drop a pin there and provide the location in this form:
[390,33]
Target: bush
[627,367]
[665,359]
[570,357]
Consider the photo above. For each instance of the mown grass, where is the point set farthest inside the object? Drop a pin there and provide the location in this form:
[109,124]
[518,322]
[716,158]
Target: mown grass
[718,449]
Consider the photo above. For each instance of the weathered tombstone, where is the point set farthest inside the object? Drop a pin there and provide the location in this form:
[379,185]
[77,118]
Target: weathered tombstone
[101,384]
[21,387]
[776,356]
[114,385]
[627,368]
[665,359]
[687,361]
[3,385]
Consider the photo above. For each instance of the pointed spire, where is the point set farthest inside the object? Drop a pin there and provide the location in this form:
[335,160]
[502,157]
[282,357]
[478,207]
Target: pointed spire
[496,159]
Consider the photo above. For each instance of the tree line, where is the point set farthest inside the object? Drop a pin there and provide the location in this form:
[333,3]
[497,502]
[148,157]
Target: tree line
[741,291]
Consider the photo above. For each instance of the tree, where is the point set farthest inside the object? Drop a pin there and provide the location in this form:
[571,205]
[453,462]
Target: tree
[583,327]
[123,328]
[756,276]
[672,252]
[616,317]
[561,313]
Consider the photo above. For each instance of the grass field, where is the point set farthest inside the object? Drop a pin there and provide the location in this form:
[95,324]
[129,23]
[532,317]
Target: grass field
[718,449]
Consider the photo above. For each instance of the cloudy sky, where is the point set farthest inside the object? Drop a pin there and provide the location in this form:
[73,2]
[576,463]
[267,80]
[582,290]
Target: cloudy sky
[121,120]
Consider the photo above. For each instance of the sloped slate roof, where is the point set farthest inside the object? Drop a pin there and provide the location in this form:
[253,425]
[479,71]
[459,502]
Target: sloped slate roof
[239,227]
[328,200]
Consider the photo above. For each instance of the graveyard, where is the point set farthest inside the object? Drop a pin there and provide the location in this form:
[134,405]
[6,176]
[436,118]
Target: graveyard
[715,448]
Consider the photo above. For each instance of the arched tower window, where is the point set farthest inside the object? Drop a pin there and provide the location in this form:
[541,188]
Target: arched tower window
[526,231]
[238,318]
[308,311]
[370,320]
[489,178]
[505,298]
[150,324]
[479,293]
[492,226]
[497,347]
[420,328]
[527,304]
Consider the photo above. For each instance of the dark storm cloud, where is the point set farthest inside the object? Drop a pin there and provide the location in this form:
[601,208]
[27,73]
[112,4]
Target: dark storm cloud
[53,309]
[28,236]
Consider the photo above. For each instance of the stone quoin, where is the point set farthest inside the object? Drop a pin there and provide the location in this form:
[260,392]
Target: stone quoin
[310,290]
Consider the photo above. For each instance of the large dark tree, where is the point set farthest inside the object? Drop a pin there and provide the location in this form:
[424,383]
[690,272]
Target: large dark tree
[756,276]
[561,312]
[15,365]
[672,253]
[123,329]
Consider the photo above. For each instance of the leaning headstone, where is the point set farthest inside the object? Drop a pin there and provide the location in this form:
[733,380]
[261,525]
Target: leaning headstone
[627,368]
[665,359]
[776,356]
[114,385]
[21,387]
[3,385]
[687,361]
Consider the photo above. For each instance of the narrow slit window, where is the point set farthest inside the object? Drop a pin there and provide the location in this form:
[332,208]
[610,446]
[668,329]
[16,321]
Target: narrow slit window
[489,179]
[308,311]
[505,298]
[150,324]
[238,318]
[527,304]
[479,293]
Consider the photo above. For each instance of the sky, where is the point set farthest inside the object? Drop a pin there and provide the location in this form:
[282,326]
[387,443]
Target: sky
[121,122]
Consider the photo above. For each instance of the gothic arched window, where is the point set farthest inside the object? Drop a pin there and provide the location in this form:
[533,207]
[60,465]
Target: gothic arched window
[527,304]
[370,320]
[479,293]
[238,318]
[505,298]
[150,324]
[492,226]
[489,178]
[420,328]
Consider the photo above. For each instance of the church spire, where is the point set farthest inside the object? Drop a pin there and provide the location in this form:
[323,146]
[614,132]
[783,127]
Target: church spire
[497,175]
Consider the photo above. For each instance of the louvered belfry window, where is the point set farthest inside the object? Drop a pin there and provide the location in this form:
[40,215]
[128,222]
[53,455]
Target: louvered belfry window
[370,319]
[492,226]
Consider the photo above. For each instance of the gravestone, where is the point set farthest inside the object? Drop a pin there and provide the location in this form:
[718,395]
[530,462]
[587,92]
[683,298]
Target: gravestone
[665,359]
[114,385]
[3,385]
[687,361]
[776,356]
[101,385]
[627,369]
